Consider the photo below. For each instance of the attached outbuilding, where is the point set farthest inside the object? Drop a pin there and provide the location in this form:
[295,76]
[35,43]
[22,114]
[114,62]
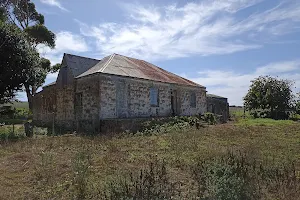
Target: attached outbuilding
[219,106]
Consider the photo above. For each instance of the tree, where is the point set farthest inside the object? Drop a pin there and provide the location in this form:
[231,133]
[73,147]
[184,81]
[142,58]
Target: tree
[271,95]
[23,14]
[17,57]
[2,15]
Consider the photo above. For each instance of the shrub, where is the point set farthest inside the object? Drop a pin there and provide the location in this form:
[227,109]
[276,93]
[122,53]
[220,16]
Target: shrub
[236,177]
[81,167]
[151,183]
[269,114]
[210,118]
[226,178]
[294,117]
[172,124]
[45,168]
[7,134]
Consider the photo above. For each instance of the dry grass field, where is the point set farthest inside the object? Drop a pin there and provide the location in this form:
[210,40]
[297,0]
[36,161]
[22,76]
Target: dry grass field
[77,167]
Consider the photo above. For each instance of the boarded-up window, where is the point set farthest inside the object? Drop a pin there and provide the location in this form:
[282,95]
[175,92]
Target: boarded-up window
[154,96]
[193,100]
[78,99]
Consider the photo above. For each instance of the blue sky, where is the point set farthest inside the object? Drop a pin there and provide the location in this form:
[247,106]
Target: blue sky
[221,44]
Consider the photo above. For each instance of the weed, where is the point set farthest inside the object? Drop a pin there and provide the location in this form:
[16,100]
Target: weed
[236,177]
[45,168]
[210,118]
[228,177]
[151,183]
[8,134]
[81,164]
[172,124]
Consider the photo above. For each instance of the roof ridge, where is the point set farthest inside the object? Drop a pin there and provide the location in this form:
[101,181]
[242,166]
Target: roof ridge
[107,63]
[82,56]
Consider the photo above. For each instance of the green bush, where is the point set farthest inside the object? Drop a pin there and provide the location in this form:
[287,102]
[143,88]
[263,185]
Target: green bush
[236,177]
[9,113]
[226,178]
[269,114]
[210,118]
[169,125]
[151,183]
[23,113]
[294,117]
[7,134]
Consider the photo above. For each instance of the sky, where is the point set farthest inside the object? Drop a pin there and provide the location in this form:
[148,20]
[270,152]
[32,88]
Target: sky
[220,44]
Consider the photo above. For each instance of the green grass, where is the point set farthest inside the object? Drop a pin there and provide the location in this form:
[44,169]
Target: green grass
[264,122]
[15,104]
[12,121]
[8,133]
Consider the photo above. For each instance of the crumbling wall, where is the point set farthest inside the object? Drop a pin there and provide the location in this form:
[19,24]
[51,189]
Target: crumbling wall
[44,106]
[65,107]
[218,106]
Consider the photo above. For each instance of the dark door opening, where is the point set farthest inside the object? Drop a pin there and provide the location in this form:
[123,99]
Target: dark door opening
[174,102]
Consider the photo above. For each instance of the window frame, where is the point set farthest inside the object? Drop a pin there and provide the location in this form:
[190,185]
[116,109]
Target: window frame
[151,90]
[78,96]
[193,99]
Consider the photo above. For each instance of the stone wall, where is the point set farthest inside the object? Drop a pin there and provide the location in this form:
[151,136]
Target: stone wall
[124,97]
[86,101]
[44,105]
[218,106]
[65,107]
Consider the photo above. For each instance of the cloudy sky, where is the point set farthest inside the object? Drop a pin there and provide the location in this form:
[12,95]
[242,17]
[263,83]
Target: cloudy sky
[221,44]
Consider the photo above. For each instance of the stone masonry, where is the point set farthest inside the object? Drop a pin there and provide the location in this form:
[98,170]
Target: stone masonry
[83,103]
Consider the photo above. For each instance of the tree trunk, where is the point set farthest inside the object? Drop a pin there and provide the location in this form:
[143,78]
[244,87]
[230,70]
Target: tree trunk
[29,96]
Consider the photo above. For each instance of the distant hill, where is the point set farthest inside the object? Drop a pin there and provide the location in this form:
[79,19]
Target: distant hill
[17,104]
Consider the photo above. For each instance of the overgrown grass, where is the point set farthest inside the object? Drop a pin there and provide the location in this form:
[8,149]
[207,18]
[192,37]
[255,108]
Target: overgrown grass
[10,133]
[264,163]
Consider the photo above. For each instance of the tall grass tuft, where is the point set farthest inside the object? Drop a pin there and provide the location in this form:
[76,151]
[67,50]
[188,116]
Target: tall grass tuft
[81,169]
[236,177]
[152,182]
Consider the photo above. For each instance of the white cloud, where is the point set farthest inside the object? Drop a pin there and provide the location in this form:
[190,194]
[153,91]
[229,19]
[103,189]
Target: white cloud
[55,3]
[207,27]
[234,85]
[66,42]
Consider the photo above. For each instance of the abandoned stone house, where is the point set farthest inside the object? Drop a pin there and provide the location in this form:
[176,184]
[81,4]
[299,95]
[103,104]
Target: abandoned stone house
[89,91]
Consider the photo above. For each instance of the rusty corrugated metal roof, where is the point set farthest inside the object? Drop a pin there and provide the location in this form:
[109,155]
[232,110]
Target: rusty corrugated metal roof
[125,66]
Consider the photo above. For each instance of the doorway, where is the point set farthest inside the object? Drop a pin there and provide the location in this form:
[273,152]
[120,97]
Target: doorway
[174,102]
